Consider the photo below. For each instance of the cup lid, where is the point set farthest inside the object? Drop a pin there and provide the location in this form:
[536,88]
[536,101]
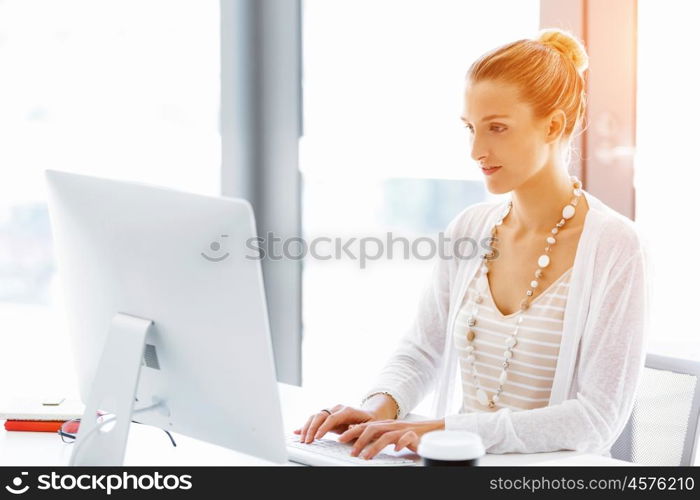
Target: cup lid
[451,445]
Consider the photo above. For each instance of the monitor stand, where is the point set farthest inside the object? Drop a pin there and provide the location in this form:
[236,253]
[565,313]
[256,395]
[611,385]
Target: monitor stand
[114,388]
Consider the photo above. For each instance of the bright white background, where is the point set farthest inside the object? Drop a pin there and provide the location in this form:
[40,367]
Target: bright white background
[383,85]
[126,89]
[130,90]
[667,169]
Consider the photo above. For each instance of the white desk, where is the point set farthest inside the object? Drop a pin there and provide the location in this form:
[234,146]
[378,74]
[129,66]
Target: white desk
[149,446]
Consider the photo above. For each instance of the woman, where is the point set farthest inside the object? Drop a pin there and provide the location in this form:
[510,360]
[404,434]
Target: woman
[546,334]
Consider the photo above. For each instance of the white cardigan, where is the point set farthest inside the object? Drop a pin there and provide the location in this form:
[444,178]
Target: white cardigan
[602,351]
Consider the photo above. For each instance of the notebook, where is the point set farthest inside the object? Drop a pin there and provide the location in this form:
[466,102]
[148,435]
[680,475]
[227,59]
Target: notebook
[37,408]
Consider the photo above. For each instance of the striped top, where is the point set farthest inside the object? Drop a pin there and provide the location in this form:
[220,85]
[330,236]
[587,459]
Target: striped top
[531,369]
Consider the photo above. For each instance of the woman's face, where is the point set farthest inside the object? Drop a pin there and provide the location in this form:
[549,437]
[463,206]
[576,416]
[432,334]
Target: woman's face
[503,132]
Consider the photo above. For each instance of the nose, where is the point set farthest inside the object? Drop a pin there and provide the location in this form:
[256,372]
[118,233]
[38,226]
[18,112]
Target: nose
[478,152]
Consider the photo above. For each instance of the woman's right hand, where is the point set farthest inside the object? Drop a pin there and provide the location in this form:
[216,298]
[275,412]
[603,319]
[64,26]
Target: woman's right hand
[340,419]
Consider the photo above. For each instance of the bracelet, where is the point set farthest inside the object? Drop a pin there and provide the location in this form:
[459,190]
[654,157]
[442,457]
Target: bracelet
[398,406]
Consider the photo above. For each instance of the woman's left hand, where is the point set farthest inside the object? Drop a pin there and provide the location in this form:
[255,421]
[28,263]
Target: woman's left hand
[373,436]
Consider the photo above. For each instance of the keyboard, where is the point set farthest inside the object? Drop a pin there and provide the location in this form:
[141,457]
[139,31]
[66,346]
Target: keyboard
[331,452]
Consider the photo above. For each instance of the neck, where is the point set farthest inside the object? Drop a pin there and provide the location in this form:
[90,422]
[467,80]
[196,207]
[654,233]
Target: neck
[537,203]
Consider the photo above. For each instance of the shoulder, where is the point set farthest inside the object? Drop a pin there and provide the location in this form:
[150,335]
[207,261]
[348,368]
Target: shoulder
[621,247]
[617,234]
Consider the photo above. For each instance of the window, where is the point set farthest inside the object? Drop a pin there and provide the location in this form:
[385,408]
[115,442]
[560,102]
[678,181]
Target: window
[666,173]
[384,151]
[128,90]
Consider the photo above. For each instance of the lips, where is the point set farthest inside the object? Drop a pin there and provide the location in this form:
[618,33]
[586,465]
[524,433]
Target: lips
[490,170]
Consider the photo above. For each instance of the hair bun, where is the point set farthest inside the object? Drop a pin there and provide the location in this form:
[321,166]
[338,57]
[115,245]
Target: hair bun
[567,44]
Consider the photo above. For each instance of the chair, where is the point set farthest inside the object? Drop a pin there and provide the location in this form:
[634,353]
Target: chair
[663,427]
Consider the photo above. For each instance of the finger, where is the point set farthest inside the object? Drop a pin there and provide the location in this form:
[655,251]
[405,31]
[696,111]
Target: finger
[308,422]
[384,440]
[315,422]
[359,429]
[409,439]
[354,430]
[370,433]
[330,423]
[305,428]
[352,433]
[403,441]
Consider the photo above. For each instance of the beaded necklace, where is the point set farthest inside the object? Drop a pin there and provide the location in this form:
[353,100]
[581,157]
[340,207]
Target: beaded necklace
[542,262]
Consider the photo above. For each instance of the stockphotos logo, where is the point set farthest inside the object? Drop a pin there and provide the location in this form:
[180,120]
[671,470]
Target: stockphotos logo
[17,488]
[102,482]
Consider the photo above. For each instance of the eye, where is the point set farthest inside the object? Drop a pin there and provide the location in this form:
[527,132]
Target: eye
[469,127]
[498,128]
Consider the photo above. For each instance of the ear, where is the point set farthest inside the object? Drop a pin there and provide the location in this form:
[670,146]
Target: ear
[555,125]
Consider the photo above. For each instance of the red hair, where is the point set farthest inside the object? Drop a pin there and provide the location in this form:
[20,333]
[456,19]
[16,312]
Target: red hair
[548,72]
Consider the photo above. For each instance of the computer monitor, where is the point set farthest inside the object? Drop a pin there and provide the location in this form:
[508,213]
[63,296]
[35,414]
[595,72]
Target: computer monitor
[166,316]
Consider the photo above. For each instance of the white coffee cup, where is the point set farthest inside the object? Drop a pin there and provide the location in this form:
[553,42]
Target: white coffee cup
[451,447]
